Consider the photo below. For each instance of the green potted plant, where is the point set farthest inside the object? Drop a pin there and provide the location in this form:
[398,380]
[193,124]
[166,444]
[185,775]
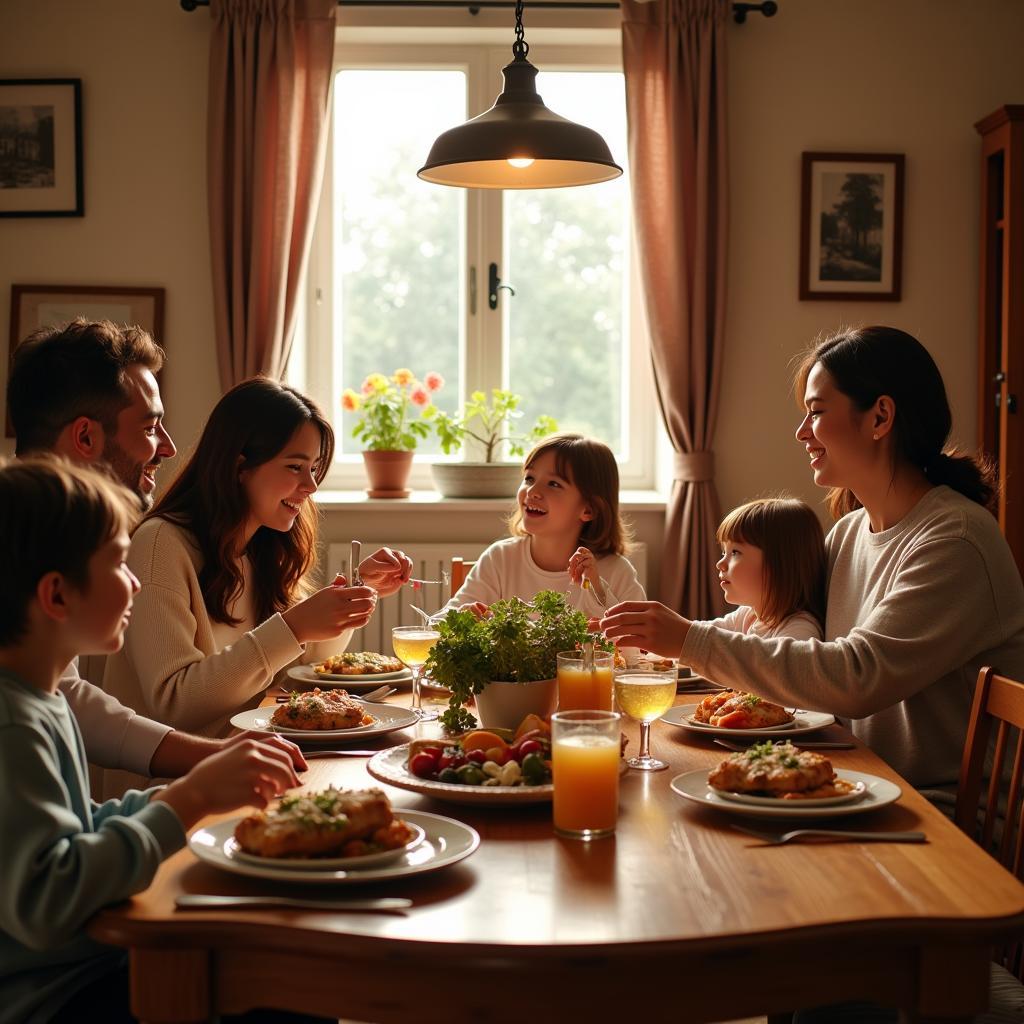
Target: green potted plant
[488,423]
[391,419]
[508,661]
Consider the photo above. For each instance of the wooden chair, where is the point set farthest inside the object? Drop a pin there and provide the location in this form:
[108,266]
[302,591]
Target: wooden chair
[459,572]
[998,826]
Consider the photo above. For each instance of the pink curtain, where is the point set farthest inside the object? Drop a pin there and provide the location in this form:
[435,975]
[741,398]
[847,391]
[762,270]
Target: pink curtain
[270,76]
[674,60]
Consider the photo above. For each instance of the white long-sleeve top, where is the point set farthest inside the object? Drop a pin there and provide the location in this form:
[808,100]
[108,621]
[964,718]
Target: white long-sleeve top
[507,569]
[913,613]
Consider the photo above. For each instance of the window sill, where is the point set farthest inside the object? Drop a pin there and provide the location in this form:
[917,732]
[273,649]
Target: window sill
[332,500]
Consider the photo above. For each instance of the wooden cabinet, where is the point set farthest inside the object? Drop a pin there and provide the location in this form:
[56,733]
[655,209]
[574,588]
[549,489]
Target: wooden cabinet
[1001,322]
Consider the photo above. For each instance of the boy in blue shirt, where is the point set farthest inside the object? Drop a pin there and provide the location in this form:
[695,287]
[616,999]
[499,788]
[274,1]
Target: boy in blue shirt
[67,591]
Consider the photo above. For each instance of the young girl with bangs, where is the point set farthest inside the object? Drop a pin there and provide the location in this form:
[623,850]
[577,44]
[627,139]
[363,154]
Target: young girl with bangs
[565,529]
[773,567]
[224,559]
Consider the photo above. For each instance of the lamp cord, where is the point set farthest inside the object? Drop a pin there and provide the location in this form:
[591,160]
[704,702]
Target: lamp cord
[520,48]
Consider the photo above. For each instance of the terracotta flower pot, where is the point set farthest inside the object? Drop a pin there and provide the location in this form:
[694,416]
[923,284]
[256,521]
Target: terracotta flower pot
[388,473]
[504,705]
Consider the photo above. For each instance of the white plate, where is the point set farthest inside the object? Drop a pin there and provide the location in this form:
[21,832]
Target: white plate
[334,863]
[356,684]
[804,721]
[389,719]
[878,792]
[857,793]
[390,766]
[446,842]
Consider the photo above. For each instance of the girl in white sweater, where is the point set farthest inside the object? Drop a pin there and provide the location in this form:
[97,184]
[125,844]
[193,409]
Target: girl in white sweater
[224,558]
[565,529]
[773,567]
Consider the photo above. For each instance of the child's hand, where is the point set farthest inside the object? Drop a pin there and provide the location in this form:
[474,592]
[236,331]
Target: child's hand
[583,567]
[329,612]
[386,570]
[270,740]
[248,773]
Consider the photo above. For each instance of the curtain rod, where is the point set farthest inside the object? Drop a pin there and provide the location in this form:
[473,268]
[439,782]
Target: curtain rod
[739,10]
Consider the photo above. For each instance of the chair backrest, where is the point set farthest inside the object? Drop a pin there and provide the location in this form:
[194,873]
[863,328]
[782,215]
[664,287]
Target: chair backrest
[996,822]
[459,572]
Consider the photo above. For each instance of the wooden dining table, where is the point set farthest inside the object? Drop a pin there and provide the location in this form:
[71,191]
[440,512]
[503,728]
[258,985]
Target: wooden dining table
[678,917]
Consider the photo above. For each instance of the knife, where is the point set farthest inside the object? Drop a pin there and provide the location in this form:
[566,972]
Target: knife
[384,905]
[353,563]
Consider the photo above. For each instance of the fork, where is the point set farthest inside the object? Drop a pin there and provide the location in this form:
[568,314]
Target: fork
[863,837]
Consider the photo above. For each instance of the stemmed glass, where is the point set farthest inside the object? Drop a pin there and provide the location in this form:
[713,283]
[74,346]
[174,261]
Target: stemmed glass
[412,645]
[645,696]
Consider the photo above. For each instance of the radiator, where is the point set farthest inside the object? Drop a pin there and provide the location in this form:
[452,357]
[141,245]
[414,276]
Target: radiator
[429,561]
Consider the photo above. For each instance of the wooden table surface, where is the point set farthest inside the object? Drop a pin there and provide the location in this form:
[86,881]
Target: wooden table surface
[677,917]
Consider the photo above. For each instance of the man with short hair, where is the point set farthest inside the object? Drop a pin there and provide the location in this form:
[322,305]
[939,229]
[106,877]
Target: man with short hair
[87,390]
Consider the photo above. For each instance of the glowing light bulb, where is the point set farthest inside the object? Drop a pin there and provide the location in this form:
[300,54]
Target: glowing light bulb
[521,161]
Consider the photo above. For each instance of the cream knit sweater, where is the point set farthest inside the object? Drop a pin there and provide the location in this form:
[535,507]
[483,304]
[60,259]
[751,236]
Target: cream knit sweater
[170,667]
[913,612]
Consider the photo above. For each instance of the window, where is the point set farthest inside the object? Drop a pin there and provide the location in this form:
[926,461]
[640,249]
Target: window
[399,275]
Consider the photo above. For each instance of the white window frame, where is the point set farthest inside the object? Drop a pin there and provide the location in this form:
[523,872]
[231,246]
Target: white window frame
[482,356]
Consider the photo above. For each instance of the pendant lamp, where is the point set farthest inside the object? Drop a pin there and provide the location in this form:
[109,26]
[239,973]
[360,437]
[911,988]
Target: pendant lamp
[519,143]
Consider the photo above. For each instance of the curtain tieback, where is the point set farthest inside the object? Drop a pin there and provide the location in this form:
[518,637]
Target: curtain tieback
[694,467]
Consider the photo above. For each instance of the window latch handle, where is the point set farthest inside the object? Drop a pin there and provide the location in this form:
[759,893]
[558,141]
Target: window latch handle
[494,286]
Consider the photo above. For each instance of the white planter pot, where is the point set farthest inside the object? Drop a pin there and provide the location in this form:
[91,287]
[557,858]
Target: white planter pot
[477,479]
[504,705]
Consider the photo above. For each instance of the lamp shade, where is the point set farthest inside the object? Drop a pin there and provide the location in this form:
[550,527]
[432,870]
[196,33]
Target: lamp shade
[549,151]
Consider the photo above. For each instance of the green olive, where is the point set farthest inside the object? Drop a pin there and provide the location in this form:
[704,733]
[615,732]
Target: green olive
[448,775]
[471,775]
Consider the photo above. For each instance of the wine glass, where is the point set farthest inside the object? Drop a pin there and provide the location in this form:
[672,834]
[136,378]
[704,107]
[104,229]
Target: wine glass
[645,696]
[412,645]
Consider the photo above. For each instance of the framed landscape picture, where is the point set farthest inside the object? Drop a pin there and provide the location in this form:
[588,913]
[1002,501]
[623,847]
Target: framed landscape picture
[41,147]
[41,305]
[851,226]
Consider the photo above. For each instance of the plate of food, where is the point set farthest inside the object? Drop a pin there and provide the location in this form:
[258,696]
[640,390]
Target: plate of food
[779,780]
[326,715]
[306,678]
[333,830]
[734,713]
[446,770]
[352,667]
[419,841]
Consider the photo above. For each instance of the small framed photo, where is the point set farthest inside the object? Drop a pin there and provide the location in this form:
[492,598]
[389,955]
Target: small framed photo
[851,226]
[41,147]
[42,305]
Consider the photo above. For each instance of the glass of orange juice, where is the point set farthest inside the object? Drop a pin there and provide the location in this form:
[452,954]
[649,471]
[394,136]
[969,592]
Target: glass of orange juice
[585,771]
[582,689]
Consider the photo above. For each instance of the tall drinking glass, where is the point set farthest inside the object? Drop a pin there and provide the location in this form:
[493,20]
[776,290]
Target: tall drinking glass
[645,696]
[585,772]
[581,688]
[412,645]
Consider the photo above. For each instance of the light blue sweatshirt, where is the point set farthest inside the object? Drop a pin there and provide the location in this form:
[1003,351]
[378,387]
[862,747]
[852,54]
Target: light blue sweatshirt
[62,856]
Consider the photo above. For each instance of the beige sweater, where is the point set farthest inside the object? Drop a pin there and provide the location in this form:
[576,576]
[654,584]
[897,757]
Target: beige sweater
[171,667]
[913,613]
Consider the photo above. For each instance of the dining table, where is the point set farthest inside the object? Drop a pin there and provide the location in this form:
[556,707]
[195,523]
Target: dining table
[676,917]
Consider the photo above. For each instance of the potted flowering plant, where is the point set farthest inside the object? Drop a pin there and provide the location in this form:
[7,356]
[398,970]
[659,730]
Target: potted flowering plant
[489,422]
[391,420]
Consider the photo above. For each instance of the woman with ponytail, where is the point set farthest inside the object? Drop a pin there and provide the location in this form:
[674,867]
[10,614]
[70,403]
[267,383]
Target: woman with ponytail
[922,587]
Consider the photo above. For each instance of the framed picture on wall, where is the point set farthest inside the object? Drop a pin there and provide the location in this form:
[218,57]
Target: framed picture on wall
[41,147]
[851,226]
[41,305]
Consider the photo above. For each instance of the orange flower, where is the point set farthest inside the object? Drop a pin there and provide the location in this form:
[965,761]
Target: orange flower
[403,377]
[349,400]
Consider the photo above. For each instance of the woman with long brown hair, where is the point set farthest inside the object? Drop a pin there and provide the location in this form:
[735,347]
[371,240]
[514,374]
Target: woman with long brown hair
[922,588]
[224,558]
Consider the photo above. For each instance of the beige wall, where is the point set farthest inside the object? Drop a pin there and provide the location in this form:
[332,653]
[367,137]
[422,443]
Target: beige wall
[908,76]
[884,76]
[143,71]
